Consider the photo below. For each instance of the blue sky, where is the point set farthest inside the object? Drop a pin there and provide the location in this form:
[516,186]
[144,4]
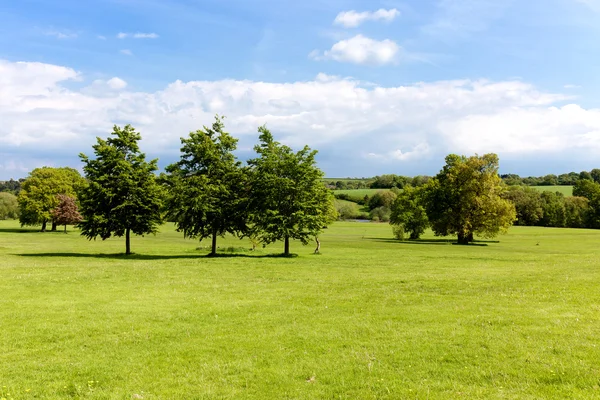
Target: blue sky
[376,86]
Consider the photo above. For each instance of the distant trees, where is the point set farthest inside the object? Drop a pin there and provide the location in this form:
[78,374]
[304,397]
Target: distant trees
[465,199]
[208,187]
[123,196]
[39,194]
[9,206]
[288,200]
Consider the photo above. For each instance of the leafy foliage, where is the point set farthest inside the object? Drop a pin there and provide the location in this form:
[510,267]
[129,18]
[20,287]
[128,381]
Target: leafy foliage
[39,193]
[409,212]
[465,199]
[67,212]
[289,200]
[528,204]
[9,206]
[208,186]
[123,195]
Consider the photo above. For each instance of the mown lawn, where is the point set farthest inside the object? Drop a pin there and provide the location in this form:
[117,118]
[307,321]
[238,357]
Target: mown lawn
[370,318]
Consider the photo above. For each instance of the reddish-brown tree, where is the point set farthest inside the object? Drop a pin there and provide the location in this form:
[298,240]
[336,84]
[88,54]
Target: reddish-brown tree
[66,213]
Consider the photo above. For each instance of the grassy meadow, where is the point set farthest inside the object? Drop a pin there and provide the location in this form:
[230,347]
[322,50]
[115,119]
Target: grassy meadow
[369,318]
[566,190]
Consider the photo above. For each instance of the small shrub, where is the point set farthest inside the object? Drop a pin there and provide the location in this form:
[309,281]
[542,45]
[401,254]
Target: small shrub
[398,231]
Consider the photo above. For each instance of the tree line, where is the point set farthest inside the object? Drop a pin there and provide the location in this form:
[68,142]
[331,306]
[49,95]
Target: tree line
[276,196]
[390,181]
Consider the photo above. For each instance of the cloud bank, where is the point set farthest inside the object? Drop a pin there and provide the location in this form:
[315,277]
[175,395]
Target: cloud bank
[355,125]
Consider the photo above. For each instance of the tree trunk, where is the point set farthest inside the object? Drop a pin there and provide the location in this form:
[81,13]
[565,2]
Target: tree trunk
[44,226]
[127,242]
[53,226]
[286,250]
[213,251]
[464,238]
[65,228]
[318,245]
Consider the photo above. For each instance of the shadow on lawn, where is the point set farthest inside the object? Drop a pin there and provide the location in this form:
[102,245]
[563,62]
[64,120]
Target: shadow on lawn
[149,257]
[23,230]
[433,241]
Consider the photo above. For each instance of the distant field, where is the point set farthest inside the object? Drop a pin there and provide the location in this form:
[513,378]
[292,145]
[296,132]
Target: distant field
[359,193]
[369,318]
[566,190]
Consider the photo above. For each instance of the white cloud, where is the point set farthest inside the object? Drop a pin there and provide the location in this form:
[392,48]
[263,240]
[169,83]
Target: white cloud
[572,86]
[352,19]
[116,83]
[100,37]
[42,114]
[138,35]
[126,52]
[361,50]
[61,34]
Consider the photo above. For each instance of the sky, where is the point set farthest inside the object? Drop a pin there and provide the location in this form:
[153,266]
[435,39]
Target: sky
[377,87]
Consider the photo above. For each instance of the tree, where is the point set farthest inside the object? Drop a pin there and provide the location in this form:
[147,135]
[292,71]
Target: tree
[528,204]
[289,200]
[123,196]
[465,199]
[409,212]
[39,194]
[553,204]
[591,191]
[67,212]
[208,186]
[595,175]
[576,212]
[9,206]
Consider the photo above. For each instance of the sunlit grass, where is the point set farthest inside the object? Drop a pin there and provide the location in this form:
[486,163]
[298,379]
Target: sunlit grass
[370,317]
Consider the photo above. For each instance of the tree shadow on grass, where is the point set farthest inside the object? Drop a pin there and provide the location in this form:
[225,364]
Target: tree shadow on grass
[151,257]
[440,241]
[22,230]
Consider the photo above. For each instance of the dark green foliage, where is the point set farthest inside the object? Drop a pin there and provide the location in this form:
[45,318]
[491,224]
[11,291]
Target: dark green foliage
[409,212]
[382,199]
[595,175]
[123,196]
[289,200]
[576,212]
[528,204]
[465,199]
[553,204]
[591,191]
[208,187]
[39,193]
[9,206]
[11,186]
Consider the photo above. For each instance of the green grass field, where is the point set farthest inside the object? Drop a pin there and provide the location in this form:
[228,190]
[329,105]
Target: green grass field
[369,318]
[566,190]
[359,193]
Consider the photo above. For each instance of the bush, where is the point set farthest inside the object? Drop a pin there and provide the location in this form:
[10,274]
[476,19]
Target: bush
[398,231]
[380,214]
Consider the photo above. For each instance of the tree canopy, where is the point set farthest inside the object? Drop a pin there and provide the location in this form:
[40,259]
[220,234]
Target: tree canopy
[208,187]
[67,212]
[465,199]
[123,195]
[409,212]
[39,193]
[289,200]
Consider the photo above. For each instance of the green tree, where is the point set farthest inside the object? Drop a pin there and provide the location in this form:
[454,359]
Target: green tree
[591,191]
[465,199]
[9,206]
[39,194]
[123,196]
[553,204]
[289,200]
[208,186]
[576,212]
[408,211]
[595,175]
[528,204]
